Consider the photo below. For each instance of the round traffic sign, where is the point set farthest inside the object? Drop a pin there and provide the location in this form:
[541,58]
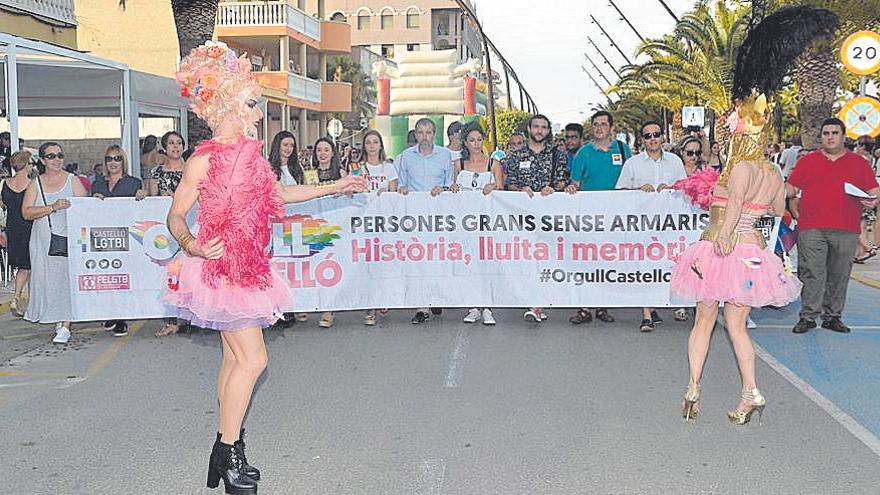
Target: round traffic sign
[334,128]
[861,116]
[860,53]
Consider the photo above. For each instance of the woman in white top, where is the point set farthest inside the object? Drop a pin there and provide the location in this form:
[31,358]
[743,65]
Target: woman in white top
[477,172]
[382,177]
[380,171]
[284,158]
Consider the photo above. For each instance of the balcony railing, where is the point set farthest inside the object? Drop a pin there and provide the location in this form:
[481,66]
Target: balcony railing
[267,13]
[56,10]
[303,88]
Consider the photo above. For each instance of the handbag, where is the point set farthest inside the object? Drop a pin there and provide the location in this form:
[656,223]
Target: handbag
[57,243]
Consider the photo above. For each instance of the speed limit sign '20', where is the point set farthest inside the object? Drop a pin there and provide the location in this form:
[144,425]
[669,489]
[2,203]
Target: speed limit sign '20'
[860,53]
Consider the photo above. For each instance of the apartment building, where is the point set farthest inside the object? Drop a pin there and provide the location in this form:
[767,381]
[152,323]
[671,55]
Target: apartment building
[387,27]
[53,21]
[289,49]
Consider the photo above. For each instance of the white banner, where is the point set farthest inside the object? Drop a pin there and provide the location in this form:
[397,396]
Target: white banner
[605,249]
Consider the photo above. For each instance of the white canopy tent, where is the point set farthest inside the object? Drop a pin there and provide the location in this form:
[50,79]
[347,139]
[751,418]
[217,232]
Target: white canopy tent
[44,80]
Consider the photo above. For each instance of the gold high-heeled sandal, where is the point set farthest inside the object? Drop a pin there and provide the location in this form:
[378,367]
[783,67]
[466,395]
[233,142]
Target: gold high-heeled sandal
[691,397]
[757,403]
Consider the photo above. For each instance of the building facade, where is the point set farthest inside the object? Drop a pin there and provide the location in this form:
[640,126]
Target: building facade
[289,49]
[53,21]
[387,27]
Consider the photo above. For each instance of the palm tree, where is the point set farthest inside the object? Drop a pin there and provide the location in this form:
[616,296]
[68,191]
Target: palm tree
[691,66]
[194,20]
[817,73]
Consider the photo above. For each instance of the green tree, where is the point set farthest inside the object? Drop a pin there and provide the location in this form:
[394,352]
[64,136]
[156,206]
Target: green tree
[507,122]
[363,88]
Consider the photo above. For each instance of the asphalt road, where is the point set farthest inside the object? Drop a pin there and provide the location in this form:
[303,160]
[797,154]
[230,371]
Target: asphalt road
[442,408]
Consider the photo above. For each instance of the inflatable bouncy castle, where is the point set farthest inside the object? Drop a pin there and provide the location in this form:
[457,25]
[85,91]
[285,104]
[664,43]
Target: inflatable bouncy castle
[426,83]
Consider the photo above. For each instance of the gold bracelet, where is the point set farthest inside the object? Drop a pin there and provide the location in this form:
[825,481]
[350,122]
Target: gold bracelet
[326,185]
[185,241]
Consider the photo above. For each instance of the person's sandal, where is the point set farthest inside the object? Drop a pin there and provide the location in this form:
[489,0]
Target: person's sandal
[582,316]
[167,329]
[681,314]
[370,318]
[326,320]
[604,316]
[301,317]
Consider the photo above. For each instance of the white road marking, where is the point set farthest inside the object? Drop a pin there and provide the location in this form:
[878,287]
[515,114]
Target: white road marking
[431,477]
[456,361]
[839,415]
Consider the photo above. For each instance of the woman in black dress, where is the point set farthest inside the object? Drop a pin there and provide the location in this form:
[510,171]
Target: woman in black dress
[18,230]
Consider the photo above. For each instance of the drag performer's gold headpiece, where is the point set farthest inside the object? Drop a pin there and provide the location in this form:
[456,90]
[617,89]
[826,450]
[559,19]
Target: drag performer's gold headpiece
[772,46]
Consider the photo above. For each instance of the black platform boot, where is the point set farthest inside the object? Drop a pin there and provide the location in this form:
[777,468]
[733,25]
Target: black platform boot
[249,470]
[226,463]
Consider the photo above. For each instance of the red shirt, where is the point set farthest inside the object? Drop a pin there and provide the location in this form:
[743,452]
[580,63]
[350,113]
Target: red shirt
[824,204]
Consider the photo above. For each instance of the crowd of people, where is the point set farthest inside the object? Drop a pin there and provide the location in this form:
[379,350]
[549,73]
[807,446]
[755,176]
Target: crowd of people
[532,163]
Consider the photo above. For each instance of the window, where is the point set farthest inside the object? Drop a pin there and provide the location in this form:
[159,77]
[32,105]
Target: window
[363,21]
[387,51]
[339,17]
[412,47]
[412,20]
[387,21]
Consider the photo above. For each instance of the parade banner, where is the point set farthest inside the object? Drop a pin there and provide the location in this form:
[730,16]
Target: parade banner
[592,249]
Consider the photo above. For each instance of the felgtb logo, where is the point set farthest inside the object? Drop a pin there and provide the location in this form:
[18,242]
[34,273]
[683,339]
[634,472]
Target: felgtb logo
[108,281]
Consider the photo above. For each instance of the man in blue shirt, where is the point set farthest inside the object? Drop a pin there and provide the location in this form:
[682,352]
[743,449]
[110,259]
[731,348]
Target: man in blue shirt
[596,167]
[425,167]
[422,168]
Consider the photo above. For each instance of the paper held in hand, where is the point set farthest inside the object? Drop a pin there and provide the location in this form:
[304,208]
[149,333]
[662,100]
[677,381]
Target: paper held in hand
[856,192]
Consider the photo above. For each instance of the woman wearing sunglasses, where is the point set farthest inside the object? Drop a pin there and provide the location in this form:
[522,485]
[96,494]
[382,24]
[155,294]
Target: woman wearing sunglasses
[117,184]
[44,202]
[476,171]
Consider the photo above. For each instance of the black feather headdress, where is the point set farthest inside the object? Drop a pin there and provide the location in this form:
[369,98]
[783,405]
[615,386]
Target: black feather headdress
[772,46]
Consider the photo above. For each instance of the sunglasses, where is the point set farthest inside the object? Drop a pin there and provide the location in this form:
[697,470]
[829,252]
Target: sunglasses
[652,135]
[693,153]
[52,156]
[117,159]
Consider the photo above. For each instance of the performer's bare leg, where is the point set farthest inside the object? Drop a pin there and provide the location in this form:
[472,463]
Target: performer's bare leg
[701,334]
[735,318]
[249,359]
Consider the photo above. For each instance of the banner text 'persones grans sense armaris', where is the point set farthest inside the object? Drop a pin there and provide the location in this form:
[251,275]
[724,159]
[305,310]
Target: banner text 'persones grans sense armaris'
[465,249]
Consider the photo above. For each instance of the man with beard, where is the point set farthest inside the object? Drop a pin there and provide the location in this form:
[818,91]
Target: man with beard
[596,167]
[538,167]
[425,168]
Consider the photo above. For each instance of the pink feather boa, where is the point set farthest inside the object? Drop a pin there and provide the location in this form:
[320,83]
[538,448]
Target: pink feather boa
[236,200]
[698,187]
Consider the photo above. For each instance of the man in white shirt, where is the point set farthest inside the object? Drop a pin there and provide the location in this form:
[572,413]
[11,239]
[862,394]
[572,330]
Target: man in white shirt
[789,156]
[651,170]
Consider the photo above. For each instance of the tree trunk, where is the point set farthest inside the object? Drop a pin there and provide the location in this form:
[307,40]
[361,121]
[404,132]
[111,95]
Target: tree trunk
[817,78]
[195,25]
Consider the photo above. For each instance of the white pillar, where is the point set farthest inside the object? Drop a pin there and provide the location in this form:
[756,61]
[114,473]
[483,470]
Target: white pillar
[302,128]
[284,45]
[12,96]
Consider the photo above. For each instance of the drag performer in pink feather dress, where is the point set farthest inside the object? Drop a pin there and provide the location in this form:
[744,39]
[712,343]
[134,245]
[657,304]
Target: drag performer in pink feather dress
[222,279]
[730,263]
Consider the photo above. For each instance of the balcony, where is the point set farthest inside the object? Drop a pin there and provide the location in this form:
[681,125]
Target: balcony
[267,14]
[303,88]
[55,10]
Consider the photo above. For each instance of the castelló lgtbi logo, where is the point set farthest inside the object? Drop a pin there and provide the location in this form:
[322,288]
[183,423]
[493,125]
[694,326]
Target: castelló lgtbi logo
[302,236]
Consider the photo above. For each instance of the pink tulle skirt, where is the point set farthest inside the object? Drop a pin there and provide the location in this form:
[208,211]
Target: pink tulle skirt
[749,276]
[227,307]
